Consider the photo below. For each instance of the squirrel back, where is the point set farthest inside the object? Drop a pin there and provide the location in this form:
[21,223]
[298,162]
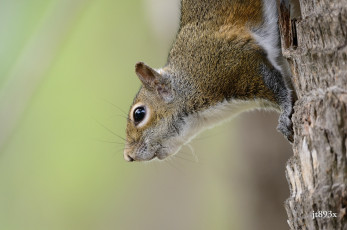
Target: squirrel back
[225,60]
[221,12]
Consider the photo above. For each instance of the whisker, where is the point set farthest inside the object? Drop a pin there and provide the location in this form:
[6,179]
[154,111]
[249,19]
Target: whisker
[198,159]
[170,163]
[110,142]
[122,149]
[116,107]
[204,137]
[122,116]
[193,152]
[185,159]
[173,165]
[110,130]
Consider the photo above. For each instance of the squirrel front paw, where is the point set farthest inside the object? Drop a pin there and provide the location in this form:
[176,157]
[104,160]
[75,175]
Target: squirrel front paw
[285,126]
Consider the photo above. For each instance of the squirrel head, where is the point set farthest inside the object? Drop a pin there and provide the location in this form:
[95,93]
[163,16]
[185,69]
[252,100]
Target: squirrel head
[152,128]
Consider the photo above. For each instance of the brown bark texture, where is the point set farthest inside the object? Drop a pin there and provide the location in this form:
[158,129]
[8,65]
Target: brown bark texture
[315,44]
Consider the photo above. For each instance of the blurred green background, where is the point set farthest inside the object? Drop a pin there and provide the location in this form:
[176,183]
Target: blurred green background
[66,83]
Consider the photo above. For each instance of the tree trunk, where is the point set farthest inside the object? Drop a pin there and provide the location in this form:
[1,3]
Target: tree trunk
[315,43]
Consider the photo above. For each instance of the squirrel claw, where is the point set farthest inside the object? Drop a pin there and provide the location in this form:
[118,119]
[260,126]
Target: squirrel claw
[285,126]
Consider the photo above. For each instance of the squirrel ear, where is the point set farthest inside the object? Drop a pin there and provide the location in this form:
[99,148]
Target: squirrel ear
[146,74]
[152,80]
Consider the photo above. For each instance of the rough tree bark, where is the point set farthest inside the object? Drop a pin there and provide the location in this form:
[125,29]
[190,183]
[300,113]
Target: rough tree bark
[315,44]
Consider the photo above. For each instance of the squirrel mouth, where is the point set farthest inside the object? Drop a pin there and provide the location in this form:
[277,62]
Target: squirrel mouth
[161,156]
[154,156]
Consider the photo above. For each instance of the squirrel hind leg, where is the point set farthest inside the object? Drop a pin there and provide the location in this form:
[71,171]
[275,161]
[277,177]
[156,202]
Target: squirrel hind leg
[286,98]
[284,95]
[285,125]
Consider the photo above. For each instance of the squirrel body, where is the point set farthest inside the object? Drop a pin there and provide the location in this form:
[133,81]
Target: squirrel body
[225,59]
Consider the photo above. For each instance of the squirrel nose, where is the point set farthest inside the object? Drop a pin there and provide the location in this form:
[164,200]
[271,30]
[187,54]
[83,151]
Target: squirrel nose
[127,157]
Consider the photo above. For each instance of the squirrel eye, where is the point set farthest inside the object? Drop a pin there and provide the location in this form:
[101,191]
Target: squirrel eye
[139,114]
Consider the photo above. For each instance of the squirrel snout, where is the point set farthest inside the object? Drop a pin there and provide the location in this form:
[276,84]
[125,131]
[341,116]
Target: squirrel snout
[127,157]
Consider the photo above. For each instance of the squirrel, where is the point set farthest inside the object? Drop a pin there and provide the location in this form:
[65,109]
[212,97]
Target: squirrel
[225,59]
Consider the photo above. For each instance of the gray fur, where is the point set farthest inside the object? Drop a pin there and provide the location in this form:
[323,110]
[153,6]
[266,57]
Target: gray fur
[274,80]
[216,68]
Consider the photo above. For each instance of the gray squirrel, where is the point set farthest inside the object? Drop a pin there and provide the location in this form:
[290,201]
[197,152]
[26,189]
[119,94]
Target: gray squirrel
[226,59]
